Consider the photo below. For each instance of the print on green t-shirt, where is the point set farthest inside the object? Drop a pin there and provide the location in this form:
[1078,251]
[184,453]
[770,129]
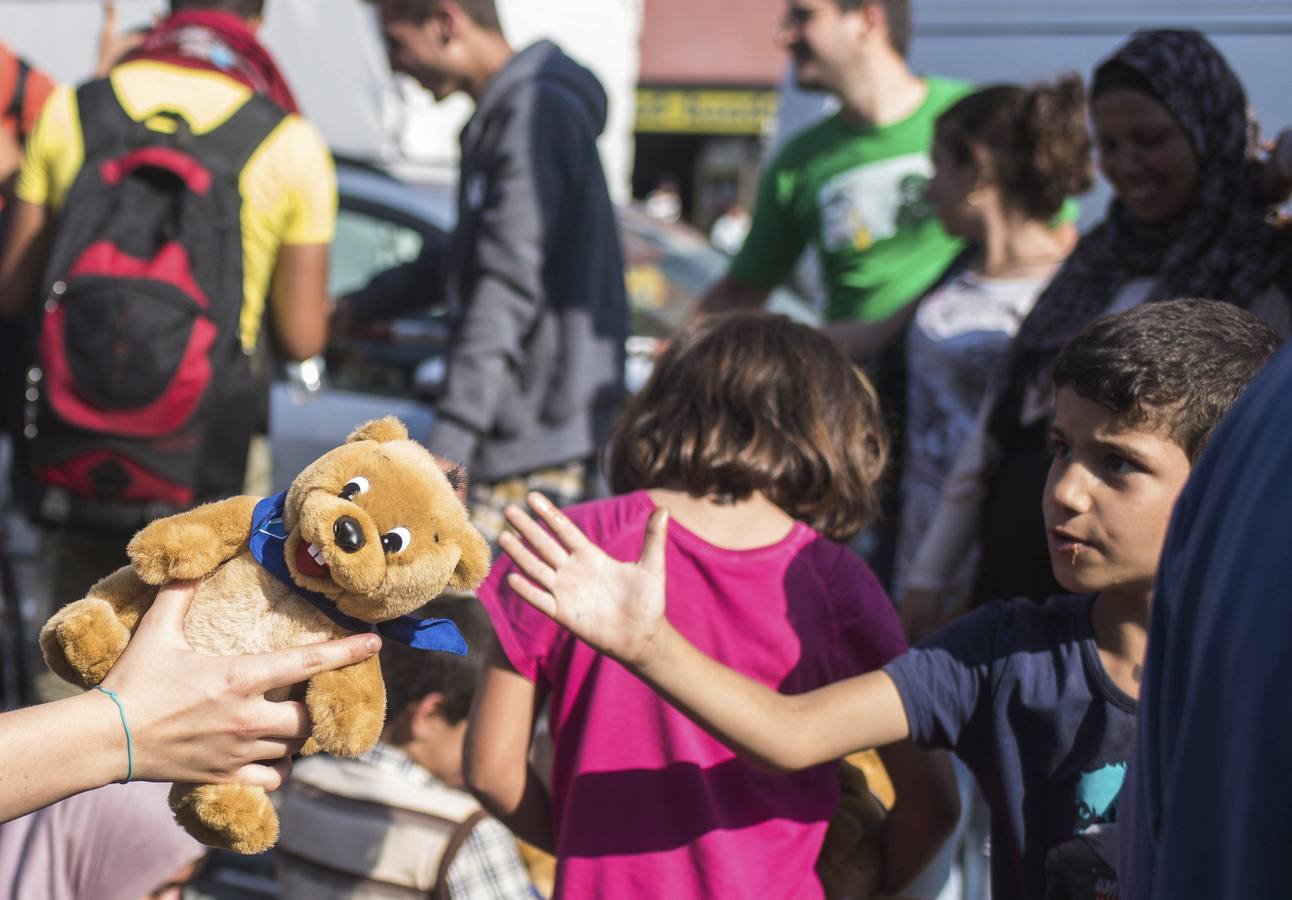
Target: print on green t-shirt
[856,193]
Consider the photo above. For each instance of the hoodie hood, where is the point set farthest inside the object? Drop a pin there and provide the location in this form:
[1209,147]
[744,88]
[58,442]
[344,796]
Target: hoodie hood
[546,62]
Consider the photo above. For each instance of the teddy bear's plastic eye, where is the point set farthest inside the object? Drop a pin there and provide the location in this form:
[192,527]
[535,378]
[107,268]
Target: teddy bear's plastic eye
[396,540]
[355,486]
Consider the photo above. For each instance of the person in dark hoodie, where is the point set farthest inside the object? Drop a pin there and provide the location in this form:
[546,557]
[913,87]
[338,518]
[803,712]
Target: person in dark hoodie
[533,273]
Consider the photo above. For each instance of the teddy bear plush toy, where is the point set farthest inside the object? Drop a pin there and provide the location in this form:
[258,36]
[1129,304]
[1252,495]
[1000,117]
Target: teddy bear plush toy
[364,536]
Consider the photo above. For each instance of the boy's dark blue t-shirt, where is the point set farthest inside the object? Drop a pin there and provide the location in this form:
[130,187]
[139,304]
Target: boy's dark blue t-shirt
[1017,691]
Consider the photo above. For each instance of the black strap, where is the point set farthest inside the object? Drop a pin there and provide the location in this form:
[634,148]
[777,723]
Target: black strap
[229,147]
[104,123]
[18,99]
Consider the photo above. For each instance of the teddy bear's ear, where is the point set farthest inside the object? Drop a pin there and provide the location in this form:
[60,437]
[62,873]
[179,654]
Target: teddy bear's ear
[387,429]
[473,565]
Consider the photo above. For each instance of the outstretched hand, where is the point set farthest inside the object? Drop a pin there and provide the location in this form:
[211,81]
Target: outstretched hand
[205,719]
[615,607]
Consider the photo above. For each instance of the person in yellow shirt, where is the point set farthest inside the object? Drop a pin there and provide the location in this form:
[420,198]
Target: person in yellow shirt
[195,70]
[288,187]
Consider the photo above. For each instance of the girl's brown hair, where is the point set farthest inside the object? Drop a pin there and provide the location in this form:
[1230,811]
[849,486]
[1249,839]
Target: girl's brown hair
[750,402]
[1034,140]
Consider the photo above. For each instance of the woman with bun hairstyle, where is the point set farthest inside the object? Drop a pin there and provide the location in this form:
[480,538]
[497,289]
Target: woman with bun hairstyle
[1005,159]
[1190,218]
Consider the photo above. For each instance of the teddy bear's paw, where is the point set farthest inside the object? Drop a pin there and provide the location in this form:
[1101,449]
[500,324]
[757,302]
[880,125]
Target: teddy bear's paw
[235,817]
[347,734]
[169,550]
[310,747]
[51,648]
[347,708]
[83,641]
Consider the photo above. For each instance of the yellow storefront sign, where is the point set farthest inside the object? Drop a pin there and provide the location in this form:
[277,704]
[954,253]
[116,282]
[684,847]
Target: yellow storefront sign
[704,111]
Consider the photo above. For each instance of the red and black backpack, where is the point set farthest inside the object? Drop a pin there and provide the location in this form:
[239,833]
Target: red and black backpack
[140,400]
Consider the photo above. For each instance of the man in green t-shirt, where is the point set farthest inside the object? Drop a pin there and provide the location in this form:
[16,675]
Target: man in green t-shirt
[852,185]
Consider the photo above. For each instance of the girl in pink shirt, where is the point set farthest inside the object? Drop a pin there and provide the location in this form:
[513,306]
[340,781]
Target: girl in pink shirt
[765,445]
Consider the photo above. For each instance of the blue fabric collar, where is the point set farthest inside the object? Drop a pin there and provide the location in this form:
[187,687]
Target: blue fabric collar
[268,546]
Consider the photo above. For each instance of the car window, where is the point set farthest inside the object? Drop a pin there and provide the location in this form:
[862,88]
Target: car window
[387,357]
[367,244]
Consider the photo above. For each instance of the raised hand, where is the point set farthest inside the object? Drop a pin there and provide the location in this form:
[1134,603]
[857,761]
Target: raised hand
[616,607]
[114,44]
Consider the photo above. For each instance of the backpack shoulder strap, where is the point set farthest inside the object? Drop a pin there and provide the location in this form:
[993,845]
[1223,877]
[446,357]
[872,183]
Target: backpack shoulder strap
[103,120]
[456,840]
[230,146]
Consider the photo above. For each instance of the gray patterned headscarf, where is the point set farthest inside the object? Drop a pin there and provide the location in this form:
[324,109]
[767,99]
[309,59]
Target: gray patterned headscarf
[1224,249]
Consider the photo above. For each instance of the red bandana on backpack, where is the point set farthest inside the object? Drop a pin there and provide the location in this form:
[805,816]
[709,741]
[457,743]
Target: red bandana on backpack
[221,42]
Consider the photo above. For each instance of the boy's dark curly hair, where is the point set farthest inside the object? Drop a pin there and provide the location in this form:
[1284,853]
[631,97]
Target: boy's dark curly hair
[1178,365]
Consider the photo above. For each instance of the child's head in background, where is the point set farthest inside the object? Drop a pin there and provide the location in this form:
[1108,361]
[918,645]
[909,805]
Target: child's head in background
[754,402]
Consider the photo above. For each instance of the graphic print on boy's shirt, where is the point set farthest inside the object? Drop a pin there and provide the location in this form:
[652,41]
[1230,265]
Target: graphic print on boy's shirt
[1084,867]
[1099,795]
[1074,850]
[1018,692]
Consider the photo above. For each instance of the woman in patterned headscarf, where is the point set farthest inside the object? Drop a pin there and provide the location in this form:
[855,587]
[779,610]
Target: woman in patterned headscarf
[1177,143]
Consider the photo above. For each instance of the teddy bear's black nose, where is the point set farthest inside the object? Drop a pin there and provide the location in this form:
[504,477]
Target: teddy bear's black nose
[349,534]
